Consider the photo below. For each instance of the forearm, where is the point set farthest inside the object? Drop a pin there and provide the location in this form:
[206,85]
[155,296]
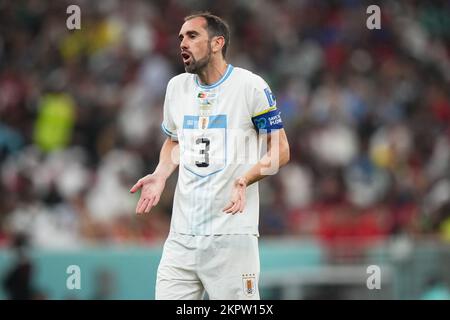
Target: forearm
[168,159]
[277,155]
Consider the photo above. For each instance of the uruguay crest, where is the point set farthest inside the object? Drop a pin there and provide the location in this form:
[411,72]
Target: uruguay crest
[249,284]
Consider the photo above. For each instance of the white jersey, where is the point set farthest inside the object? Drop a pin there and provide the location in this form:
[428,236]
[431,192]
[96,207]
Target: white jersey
[216,129]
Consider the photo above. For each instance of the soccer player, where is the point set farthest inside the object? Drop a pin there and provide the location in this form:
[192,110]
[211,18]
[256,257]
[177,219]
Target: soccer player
[215,116]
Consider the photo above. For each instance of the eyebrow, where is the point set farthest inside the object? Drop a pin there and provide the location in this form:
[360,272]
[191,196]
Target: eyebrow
[189,33]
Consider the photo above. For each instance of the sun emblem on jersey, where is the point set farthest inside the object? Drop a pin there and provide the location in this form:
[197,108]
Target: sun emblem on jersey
[203,122]
[249,284]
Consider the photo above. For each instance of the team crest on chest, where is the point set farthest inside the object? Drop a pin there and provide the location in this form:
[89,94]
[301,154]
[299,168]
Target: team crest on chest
[249,284]
[203,122]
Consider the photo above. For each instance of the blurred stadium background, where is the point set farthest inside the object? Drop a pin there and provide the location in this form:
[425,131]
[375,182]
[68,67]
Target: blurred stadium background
[367,113]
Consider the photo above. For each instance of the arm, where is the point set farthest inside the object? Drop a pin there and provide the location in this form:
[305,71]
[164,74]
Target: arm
[277,155]
[153,184]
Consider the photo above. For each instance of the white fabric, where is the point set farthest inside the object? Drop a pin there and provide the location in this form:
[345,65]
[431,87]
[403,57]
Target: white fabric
[226,266]
[202,192]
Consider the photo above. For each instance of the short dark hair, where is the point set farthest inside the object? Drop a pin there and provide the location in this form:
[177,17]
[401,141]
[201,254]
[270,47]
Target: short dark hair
[215,26]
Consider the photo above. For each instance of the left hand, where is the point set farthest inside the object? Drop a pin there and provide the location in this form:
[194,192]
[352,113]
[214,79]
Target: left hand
[237,202]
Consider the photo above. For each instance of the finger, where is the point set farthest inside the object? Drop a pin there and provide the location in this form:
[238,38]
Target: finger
[149,205]
[228,206]
[138,205]
[142,206]
[233,208]
[136,187]
[242,206]
[156,201]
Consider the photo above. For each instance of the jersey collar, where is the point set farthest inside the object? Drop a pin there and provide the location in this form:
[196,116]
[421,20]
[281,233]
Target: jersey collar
[219,82]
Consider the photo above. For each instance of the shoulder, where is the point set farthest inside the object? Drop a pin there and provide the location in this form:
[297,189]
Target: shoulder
[249,79]
[179,80]
[257,91]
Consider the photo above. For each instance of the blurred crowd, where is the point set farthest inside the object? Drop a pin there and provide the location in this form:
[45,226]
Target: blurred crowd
[367,114]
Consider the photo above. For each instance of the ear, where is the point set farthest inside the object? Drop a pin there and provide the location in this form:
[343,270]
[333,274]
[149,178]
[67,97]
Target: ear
[217,43]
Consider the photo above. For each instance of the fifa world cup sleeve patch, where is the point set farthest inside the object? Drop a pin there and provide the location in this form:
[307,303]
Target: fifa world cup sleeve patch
[268,120]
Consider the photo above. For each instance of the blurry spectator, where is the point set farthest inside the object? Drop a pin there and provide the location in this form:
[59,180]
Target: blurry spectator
[18,281]
[367,111]
[54,123]
[334,145]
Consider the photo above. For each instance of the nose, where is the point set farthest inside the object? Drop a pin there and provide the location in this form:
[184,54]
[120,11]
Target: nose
[183,44]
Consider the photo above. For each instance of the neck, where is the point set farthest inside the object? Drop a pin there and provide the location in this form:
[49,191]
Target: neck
[213,72]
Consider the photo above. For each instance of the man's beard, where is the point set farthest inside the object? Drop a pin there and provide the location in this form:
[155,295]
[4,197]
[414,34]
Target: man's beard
[197,66]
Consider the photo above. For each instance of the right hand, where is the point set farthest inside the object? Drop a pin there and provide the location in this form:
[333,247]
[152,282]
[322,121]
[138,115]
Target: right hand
[152,188]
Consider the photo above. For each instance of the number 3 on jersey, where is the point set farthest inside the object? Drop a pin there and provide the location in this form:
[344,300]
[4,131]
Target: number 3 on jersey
[203,150]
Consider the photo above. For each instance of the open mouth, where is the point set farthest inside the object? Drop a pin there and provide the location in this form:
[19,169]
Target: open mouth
[186,57]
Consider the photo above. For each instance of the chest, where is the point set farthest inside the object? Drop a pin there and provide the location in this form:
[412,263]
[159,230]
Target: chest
[224,106]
